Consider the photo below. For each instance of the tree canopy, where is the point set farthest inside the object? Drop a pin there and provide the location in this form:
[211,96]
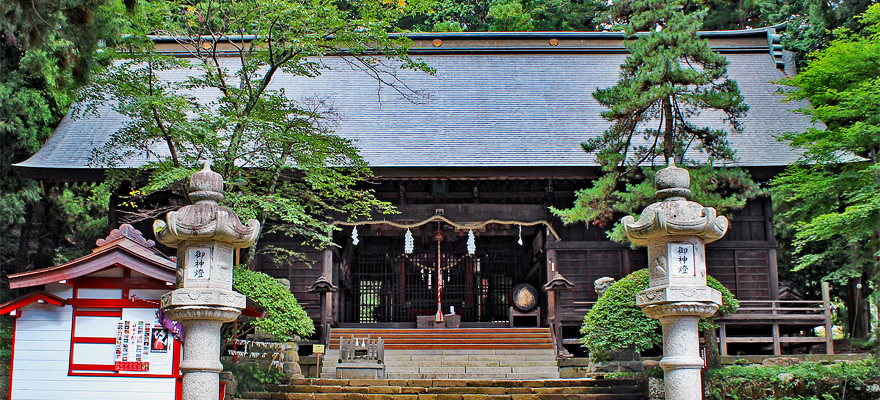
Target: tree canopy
[830,198]
[47,50]
[295,173]
[507,15]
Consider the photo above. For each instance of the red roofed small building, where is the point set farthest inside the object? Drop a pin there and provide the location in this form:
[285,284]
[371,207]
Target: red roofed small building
[90,330]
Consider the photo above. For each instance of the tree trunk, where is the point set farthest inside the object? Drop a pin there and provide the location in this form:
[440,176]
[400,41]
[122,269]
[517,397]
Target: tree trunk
[668,136]
[713,355]
[24,240]
[858,314]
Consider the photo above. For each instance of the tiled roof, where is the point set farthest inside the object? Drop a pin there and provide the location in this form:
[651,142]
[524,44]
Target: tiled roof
[484,109]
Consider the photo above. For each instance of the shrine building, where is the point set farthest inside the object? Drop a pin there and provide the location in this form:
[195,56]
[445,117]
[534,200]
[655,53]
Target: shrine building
[473,168]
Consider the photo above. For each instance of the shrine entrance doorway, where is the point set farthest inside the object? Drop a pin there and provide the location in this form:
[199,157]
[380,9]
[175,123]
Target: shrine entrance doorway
[390,287]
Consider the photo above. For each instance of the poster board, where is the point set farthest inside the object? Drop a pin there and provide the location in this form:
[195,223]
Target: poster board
[145,347]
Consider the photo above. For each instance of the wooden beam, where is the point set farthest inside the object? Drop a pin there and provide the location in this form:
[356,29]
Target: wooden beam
[86,282]
[468,212]
[573,245]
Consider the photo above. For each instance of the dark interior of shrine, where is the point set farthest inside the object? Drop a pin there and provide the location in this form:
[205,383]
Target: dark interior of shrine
[391,287]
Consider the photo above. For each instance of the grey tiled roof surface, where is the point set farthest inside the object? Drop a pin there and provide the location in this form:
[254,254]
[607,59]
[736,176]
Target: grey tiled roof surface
[485,110]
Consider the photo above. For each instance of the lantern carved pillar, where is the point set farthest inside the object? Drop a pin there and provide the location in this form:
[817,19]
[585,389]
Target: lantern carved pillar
[675,230]
[206,235]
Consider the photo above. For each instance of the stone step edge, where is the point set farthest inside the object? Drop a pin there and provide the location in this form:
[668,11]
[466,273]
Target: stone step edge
[424,396]
[392,390]
[462,382]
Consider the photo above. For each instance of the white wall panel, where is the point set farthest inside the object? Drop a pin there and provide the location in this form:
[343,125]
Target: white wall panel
[96,326]
[99,293]
[41,362]
[149,294]
[97,388]
[59,289]
[94,353]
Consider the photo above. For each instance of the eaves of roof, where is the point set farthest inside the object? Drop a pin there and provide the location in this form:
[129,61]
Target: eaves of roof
[120,254]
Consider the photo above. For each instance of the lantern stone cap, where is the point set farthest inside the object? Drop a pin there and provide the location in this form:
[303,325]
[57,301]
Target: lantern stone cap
[205,220]
[672,181]
[558,283]
[206,186]
[675,215]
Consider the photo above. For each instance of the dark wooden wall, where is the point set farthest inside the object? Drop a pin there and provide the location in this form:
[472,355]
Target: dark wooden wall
[744,260]
[300,273]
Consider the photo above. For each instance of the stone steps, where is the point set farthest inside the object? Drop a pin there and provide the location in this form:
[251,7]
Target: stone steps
[444,389]
[462,339]
[473,353]
[462,364]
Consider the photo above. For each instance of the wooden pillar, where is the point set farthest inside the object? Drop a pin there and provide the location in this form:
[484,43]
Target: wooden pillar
[723,338]
[552,316]
[829,329]
[770,236]
[777,345]
[327,298]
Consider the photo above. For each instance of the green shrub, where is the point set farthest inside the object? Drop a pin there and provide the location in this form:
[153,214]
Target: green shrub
[284,318]
[615,322]
[858,380]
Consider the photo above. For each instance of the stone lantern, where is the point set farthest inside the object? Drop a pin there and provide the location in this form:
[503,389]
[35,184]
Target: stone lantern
[206,235]
[675,230]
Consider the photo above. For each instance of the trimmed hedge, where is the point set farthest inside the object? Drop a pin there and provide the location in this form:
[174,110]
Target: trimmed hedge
[859,380]
[285,318]
[616,323]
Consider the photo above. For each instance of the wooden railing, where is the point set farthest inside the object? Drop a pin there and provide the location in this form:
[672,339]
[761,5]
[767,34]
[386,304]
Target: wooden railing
[776,313]
[353,349]
[772,313]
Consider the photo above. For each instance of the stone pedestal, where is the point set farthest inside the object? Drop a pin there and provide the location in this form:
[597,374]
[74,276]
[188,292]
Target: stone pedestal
[206,236]
[675,231]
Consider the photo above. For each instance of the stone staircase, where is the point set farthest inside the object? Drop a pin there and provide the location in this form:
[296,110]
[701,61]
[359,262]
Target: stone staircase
[490,353]
[439,389]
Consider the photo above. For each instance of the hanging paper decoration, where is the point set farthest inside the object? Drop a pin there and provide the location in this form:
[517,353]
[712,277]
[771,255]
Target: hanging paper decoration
[408,244]
[520,236]
[354,236]
[471,243]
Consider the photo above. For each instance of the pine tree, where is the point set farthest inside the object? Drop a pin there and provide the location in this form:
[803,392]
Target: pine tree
[669,78]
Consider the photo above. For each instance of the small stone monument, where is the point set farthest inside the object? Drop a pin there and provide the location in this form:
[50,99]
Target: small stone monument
[602,285]
[675,231]
[205,235]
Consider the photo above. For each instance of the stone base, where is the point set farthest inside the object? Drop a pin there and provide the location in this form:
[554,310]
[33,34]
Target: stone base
[674,294]
[360,370]
[428,322]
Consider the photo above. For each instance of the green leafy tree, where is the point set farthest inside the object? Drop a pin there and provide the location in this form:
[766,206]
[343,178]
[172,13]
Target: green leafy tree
[508,15]
[670,76]
[47,50]
[811,23]
[285,318]
[298,172]
[829,198]
[615,322]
